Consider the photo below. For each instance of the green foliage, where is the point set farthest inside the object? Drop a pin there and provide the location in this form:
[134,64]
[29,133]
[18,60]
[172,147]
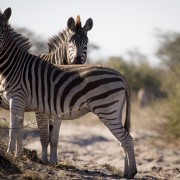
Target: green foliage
[169,54]
[169,50]
[172,84]
[138,74]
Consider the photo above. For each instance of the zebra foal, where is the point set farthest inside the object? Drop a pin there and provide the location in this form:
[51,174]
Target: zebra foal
[67,92]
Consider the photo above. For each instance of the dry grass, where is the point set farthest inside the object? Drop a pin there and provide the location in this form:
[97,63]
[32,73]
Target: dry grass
[8,163]
[29,167]
[113,170]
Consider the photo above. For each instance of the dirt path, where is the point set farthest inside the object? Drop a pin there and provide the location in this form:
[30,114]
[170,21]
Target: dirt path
[94,147]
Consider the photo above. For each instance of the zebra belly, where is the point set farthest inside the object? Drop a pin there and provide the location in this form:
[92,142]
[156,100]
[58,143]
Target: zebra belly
[68,114]
[74,114]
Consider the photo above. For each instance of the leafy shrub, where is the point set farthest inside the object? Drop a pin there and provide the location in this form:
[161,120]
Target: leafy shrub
[138,74]
[169,54]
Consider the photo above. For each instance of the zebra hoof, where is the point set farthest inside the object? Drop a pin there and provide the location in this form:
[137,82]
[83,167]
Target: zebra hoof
[44,161]
[53,160]
[130,175]
[54,163]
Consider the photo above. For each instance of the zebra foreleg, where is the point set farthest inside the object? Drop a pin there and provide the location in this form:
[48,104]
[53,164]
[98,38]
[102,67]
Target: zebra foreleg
[43,125]
[16,125]
[54,127]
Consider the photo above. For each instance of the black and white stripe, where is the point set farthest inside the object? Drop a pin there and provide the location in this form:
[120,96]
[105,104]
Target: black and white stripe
[73,40]
[68,92]
[69,46]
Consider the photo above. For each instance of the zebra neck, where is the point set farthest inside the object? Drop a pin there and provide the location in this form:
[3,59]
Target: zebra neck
[13,56]
[58,40]
[58,56]
[14,46]
[65,59]
[9,58]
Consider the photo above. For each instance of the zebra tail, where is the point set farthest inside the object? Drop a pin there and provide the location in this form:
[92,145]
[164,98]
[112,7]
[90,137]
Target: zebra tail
[127,124]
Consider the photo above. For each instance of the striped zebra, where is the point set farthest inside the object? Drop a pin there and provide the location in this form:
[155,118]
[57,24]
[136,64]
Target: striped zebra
[67,92]
[67,47]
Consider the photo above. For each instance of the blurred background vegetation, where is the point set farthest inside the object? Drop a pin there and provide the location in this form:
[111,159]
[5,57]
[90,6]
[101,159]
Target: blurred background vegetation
[151,85]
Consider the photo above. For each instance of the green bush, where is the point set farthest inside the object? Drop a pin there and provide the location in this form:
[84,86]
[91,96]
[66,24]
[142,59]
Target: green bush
[169,54]
[138,74]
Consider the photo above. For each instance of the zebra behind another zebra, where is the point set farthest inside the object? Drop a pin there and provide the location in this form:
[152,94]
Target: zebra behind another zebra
[67,47]
[69,92]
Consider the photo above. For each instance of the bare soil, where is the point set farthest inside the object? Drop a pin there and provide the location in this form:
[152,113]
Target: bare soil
[87,150]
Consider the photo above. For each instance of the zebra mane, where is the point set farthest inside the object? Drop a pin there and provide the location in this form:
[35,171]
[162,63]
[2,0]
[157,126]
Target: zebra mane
[55,41]
[22,42]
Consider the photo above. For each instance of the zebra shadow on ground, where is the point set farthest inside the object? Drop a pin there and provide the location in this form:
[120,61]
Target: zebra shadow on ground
[85,141]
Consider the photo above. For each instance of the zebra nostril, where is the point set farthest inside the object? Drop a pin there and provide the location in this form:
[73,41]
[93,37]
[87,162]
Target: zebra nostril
[50,127]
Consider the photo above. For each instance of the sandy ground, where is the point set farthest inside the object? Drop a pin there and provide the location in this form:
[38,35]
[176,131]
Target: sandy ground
[88,143]
[93,144]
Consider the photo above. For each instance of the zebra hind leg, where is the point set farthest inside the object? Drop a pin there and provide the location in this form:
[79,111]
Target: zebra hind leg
[126,141]
[54,127]
[43,125]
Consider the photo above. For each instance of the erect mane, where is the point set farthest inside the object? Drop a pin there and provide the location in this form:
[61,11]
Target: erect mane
[78,22]
[55,41]
[22,42]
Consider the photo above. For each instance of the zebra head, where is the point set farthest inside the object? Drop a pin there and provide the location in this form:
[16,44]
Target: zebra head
[4,17]
[76,48]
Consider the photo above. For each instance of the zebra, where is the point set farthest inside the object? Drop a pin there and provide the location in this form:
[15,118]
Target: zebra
[67,47]
[67,92]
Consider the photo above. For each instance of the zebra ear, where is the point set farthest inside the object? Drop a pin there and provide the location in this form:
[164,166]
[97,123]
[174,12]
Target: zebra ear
[71,24]
[88,25]
[7,14]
